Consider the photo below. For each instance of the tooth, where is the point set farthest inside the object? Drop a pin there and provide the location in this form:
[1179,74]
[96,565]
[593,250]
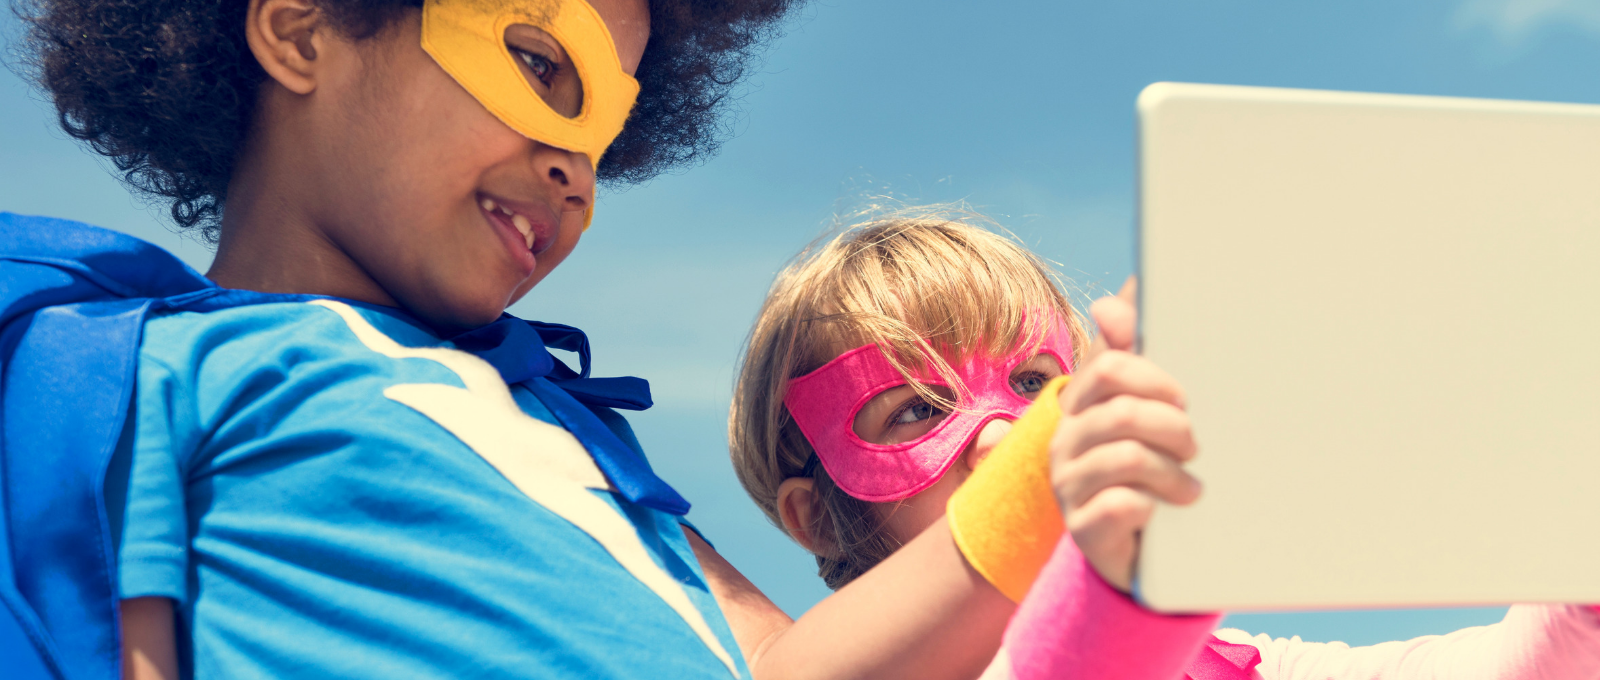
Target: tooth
[488,204]
[506,210]
[522,225]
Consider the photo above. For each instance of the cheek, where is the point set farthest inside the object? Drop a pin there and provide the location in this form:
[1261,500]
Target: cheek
[908,518]
[443,140]
[433,140]
[426,146]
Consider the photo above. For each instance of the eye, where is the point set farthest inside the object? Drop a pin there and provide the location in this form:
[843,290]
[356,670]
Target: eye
[1029,377]
[914,411]
[901,414]
[1028,383]
[539,65]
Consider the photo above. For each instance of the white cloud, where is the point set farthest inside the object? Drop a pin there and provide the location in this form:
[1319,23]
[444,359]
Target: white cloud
[1513,21]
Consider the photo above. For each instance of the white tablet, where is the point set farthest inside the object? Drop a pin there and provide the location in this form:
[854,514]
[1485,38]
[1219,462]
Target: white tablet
[1386,312]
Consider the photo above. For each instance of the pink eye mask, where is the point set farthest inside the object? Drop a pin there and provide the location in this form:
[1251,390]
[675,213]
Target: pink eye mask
[824,404]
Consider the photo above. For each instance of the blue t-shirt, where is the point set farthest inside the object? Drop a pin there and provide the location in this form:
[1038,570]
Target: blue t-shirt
[330,491]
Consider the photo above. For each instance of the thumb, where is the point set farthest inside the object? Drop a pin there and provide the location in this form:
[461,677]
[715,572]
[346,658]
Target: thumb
[1118,320]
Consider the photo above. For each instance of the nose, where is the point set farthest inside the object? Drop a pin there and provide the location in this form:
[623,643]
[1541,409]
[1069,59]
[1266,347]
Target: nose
[991,434]
[567,176]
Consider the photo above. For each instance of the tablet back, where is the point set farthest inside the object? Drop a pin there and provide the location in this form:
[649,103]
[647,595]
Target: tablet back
[1386,313]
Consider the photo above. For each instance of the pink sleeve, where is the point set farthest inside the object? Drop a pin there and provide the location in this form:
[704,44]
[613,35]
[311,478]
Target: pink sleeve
[1534,642]
[1073,624]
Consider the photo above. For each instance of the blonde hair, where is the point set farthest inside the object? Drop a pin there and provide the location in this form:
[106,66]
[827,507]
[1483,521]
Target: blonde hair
[929,285]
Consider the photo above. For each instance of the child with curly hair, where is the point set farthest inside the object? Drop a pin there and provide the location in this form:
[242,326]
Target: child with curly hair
[917,393]
[334,455]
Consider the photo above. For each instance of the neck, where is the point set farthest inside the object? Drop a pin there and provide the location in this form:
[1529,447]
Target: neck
[273,239]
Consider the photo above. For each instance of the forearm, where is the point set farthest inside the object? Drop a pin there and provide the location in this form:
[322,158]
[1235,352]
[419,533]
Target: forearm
[1074,625]
[754,619]
[1533,642]
[149,648]
[922,613]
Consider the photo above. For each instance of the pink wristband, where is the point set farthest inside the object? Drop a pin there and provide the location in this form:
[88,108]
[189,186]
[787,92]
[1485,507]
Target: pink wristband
[1073,624]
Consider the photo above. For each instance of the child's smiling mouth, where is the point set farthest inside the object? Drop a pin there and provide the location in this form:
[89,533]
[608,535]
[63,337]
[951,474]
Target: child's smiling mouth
[520,224]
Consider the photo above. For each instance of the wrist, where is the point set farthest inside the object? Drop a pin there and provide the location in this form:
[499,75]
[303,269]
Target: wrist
[1005,518]
[1075,624]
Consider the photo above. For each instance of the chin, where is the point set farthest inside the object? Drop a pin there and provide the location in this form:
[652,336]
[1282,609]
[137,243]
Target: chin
[463,311]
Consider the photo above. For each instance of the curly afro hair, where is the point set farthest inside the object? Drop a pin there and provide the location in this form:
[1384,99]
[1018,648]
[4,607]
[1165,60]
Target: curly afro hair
[166,91]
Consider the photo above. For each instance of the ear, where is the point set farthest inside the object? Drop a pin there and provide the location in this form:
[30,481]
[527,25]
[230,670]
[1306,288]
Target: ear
[800,510]
[285,36]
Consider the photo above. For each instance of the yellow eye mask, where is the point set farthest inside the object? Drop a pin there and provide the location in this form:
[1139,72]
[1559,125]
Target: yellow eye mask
[467,39]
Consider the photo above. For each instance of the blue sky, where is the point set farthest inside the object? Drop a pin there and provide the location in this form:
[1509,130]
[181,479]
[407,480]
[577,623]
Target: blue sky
[1023,109]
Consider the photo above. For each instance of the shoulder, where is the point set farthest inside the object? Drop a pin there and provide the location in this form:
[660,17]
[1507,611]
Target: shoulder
[286,381]
[313,320]
[307,329]
[295,350]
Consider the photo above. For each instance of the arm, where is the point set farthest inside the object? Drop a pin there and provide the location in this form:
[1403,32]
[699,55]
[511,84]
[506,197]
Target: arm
[755,620]
[1117,451]
[149,650]
[1552,642]
[926,612]
[1071,622]
[1075,625]
[922,613]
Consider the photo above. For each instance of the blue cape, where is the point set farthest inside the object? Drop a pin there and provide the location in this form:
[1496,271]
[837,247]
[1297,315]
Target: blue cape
[73,302]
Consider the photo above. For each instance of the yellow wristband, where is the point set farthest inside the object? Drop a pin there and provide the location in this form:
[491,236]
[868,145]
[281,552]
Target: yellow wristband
[1005,518]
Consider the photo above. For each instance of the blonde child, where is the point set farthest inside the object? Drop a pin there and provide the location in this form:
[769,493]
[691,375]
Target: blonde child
[889,362]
